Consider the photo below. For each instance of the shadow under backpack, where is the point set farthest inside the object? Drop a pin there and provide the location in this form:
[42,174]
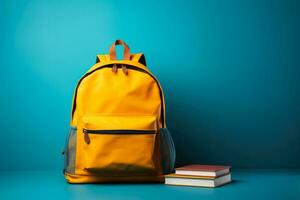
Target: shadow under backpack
[118,124]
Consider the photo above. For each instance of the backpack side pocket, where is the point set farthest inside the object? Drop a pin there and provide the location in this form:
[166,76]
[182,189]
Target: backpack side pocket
[70,151]
[168,154]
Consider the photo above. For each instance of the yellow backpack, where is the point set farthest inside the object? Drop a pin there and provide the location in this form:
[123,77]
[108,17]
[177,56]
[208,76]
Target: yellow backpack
[118,124]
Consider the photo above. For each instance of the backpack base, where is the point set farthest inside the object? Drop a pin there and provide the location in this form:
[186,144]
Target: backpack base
[76,178]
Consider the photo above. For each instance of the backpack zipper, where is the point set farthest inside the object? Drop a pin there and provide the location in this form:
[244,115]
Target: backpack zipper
[127,67]
[115,67]
[117,132]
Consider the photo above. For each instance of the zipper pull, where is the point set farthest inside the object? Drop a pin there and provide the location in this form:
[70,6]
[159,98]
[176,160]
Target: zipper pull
[125,70]
[86,136]
[114,68]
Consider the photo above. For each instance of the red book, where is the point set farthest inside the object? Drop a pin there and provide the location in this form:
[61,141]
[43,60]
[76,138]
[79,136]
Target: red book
[203,170]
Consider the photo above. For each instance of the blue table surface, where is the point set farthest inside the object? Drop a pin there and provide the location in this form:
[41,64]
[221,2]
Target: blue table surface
[247,184]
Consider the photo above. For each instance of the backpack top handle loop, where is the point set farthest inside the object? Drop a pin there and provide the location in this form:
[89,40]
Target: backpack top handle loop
[112,50]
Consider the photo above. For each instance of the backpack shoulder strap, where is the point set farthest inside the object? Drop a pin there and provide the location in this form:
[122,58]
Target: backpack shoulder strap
[102,58]
[139,58]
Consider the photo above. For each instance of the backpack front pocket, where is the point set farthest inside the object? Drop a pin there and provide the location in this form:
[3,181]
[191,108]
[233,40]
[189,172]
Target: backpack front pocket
[119,145]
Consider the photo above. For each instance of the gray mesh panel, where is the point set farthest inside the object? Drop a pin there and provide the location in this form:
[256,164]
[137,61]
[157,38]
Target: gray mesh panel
[168,153]
[70,151]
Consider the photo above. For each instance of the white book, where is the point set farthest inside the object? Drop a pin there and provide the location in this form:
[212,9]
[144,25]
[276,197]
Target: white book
[200,181]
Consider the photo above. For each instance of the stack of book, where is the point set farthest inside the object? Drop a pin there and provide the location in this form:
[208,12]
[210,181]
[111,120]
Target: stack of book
[200,175]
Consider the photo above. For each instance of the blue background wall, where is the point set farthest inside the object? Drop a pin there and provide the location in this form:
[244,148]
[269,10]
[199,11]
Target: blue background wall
[229,69]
